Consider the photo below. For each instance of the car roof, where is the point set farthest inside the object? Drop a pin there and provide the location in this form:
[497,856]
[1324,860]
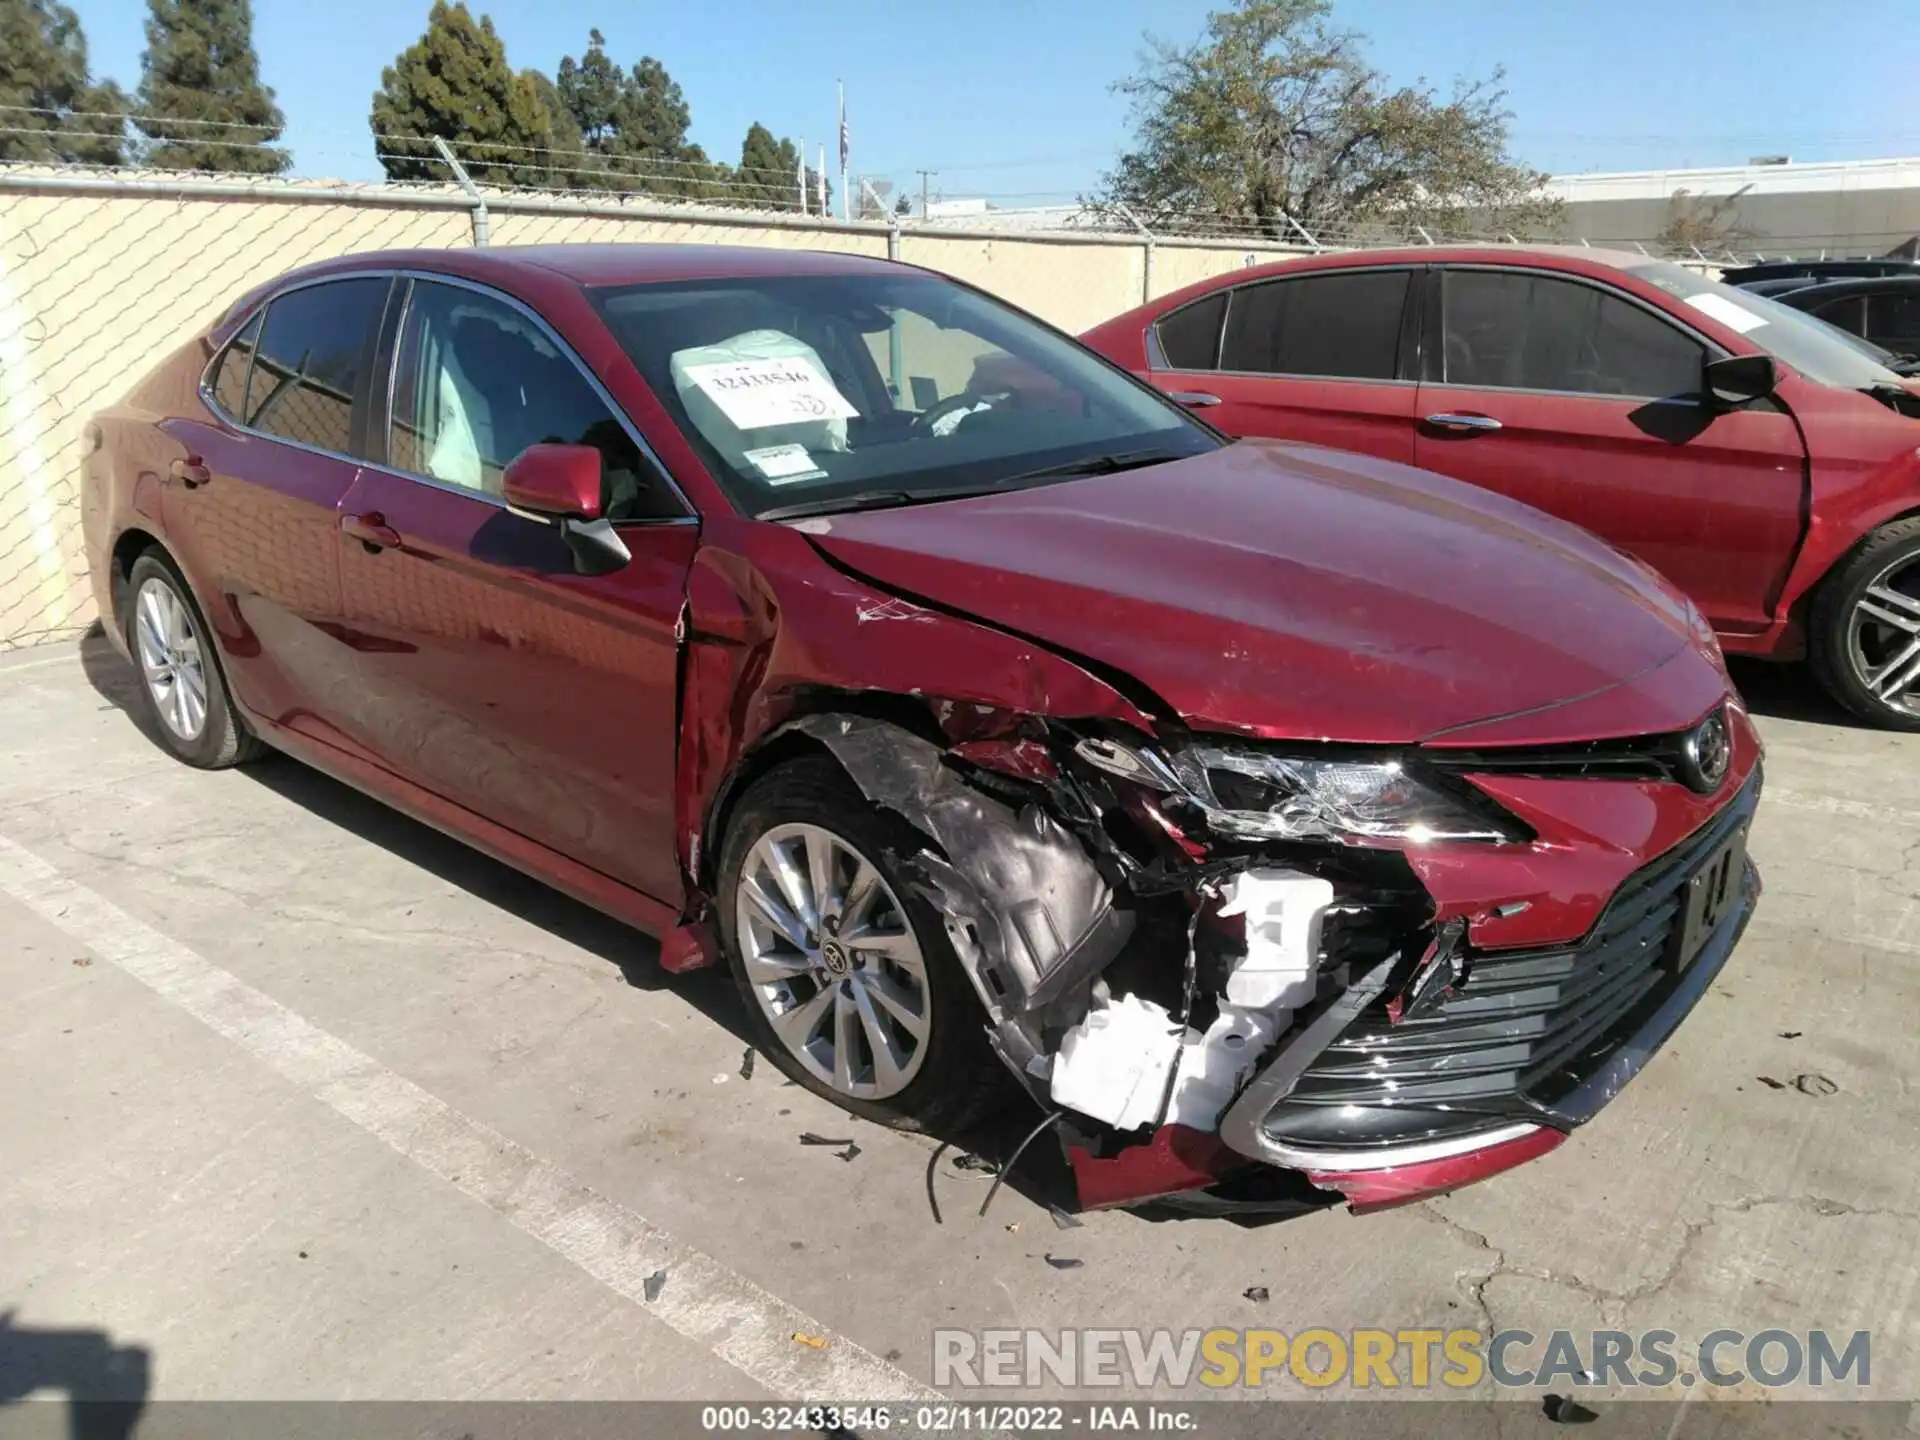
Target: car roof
[1854,285]
[593,265]
[1591,260]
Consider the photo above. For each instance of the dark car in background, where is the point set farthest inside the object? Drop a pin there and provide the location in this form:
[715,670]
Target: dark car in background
[1882,309]
[1765,463]
[1261,812]
[1814,271]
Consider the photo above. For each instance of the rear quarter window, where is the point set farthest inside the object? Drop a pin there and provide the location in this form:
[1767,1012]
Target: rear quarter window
[1190,336]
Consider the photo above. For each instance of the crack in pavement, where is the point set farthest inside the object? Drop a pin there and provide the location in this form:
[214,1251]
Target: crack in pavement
[1613,1304]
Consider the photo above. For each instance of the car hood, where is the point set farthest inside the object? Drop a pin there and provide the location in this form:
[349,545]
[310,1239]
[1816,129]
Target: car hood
[1292,592]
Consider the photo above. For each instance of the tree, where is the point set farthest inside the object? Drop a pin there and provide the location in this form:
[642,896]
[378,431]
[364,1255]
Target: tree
[637,120]
[563,162]
[201,102]
[48,91]
[1706,223]
[591,88]
[1274,115]
[454,82]
[769,173]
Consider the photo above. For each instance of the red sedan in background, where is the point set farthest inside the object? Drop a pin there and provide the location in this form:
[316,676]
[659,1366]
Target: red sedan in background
[1761,462]
[1287,824]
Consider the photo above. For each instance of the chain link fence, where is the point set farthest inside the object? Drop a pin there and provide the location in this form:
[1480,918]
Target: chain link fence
[103,271]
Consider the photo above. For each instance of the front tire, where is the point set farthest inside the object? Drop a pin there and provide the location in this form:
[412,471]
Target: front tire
[848,980]
[1864,629]
[183,695]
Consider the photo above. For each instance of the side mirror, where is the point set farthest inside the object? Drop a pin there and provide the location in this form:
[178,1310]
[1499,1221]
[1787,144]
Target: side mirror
[1738,379]
[561,485]
[562,481]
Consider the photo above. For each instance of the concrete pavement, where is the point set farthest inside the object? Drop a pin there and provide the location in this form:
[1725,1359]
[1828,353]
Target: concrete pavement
[304,1099]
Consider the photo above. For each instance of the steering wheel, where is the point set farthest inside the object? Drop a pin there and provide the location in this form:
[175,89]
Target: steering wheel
[965,400]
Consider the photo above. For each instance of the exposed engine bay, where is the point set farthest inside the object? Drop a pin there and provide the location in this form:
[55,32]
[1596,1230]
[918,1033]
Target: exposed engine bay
[1143,933]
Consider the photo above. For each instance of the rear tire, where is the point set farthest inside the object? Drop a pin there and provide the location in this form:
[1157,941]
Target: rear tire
[804,837]
[183,694]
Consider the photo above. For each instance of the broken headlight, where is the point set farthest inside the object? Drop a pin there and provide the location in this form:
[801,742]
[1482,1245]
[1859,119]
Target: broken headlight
[1258,795]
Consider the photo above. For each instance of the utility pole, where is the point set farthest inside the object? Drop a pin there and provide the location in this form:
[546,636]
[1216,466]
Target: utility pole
[924,175]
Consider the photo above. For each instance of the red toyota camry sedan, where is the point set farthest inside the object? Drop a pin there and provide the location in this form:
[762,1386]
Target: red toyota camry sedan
[1287,825]
[1755,457]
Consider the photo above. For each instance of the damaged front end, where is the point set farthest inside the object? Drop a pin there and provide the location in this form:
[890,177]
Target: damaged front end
[1217,962]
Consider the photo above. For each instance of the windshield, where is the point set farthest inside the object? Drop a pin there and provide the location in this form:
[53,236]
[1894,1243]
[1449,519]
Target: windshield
[1808,345]
[884,388]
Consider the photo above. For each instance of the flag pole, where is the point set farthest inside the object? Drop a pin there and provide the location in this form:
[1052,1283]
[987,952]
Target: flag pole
[803,174]
[845,213]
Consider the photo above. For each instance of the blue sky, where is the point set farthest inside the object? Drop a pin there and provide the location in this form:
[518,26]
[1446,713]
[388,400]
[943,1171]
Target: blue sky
[1011,99]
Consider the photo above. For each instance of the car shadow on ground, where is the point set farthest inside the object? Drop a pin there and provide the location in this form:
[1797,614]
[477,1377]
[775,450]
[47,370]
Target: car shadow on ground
[1788,692]
[967,1158]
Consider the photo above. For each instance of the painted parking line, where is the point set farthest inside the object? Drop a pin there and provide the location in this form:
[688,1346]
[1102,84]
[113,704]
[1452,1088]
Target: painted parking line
[699,1297]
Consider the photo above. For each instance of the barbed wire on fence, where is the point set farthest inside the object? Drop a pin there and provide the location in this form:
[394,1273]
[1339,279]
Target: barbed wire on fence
[595,176]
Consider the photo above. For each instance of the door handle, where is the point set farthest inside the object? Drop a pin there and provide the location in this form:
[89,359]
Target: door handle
[1463,422]
[190,471]
[1193,399]
[371,530]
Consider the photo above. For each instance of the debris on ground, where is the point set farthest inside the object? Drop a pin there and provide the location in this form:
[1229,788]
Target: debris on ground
[1256,1293]
[847,1154]
[979,1164]
[720,1079]
[1791,1034]
[1063,1262]
[746,1064]
[807,1137]
[812,1342]
[1062,1220]
[83,961]
[653,1285]
[1770,1082]
[1564,1411]
[1818,1086]
[1013,1227]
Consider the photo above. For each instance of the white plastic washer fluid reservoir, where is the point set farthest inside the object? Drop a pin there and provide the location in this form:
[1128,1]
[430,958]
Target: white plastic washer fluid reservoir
[1284,910]
[1114,1064]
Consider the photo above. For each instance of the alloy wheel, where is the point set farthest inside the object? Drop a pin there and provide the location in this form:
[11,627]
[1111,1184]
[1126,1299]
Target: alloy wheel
[171,662]
[1883,636]
[833,962]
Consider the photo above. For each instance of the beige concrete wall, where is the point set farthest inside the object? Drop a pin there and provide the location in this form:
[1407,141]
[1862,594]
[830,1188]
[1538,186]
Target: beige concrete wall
[96,287]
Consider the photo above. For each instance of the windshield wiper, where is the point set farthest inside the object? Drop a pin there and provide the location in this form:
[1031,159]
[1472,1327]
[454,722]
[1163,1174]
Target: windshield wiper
[882,499]
[1095,465]
[1896,398]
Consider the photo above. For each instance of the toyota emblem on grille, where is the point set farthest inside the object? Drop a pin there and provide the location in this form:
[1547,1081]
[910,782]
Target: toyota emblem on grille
[1706,752]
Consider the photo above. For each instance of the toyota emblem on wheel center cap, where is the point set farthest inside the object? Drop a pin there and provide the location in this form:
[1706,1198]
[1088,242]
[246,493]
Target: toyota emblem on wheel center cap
[834,956]
[1706,752]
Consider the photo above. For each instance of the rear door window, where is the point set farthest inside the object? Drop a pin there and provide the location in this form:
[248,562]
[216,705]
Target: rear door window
[1519,331]
[316,349]
[1341,326]
[1190,336]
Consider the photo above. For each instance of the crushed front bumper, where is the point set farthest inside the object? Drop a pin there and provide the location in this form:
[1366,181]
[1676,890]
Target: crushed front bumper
[1532,1044]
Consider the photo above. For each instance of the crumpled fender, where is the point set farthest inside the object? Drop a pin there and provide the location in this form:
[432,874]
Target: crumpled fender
[773,632]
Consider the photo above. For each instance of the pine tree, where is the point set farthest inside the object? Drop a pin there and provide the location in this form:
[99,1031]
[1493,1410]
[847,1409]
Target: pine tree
[591,88]
[454,82]
[46,90]
[202,106]
[564,157]
[637,119]
[769,173]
